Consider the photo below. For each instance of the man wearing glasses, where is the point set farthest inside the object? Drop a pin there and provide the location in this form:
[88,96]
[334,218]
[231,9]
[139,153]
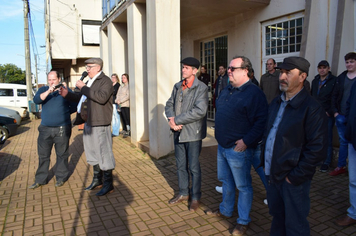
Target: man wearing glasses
[97,95]
[239,124]
[269,82]
[186,113]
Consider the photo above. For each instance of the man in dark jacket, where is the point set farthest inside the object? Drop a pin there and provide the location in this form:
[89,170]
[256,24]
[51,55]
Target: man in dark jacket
[350,135]
[240,120]
[295,143]
[269,81]
[186,113]
[221,82]
[97,139]
[321,90]
[338,106]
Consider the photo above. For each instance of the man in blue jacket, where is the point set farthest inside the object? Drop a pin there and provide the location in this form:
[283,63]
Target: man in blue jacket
[55,129]
[186,112]
[239,124]
[295,143]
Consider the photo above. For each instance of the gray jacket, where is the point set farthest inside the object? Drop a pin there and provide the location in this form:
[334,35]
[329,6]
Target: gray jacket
[193,111]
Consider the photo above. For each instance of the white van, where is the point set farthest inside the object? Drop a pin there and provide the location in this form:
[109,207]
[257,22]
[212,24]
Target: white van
[14,95]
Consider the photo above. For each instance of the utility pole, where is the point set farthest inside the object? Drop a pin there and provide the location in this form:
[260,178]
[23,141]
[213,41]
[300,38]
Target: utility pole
[26,11]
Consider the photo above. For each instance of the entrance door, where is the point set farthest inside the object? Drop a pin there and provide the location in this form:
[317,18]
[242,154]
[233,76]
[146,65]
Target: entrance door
[213,53]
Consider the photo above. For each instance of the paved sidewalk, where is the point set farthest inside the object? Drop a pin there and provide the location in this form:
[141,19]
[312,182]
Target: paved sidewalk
[138,206]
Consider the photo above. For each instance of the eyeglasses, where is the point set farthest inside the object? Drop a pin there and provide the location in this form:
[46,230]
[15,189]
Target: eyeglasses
[86,67]
[231,68]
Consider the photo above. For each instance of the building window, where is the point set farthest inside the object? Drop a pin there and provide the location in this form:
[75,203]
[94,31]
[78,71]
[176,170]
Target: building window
[91,32]
[282,38]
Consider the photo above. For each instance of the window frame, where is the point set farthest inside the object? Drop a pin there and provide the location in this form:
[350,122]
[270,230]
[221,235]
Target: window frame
[278,57]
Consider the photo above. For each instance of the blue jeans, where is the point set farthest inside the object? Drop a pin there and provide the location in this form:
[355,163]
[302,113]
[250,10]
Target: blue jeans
[331,121]
[289,205]
[234,171]
[187,157]
[351,211]
[59,137]
[115,121]
[256,162]
[340,122]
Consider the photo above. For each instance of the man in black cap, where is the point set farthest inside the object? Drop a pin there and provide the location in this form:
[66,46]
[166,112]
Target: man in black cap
[321,89]
[97,96]
[186,112]
[295,143]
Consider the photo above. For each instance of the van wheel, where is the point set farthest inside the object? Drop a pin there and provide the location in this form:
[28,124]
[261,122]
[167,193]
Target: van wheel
[3,134]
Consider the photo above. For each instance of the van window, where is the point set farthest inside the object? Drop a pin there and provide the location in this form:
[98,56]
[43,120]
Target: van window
[6,92]
[21,93]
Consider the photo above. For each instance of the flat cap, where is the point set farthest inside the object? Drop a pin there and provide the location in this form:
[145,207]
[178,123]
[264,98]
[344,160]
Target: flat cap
[94,60]
[324,63]
[191,61]
[290,63]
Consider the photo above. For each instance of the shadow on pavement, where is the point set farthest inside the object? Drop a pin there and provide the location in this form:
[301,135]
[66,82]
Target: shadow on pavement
[8,164]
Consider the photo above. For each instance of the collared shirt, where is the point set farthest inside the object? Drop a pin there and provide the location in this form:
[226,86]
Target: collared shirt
[82,99]
[273,132]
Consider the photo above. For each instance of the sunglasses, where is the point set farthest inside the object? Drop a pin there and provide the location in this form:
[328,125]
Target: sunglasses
[231,68]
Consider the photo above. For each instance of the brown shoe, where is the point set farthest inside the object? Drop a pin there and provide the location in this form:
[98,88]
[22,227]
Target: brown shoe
[215,213]
[178,199]
[194,205]
[240,229]
[345,221]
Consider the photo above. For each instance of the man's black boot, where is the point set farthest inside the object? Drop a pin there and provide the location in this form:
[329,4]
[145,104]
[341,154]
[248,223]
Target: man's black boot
[108,186]
[97,178]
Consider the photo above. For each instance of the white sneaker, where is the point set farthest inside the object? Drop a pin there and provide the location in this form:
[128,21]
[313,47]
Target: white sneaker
[218,189]
[265,201]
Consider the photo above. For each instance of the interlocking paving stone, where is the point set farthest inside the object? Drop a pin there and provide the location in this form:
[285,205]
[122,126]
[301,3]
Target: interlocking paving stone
[139,204]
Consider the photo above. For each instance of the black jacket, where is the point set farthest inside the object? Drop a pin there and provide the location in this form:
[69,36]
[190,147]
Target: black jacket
[337,94]
[301,139]
[325,93]
[350,132]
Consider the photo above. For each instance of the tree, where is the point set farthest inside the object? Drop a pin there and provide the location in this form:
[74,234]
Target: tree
[10,73]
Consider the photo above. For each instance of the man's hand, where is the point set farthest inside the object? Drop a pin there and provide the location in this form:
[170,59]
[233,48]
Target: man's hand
[288,180]
[63,90]
[80,84]
[336,114]
[240,146]
[173,125]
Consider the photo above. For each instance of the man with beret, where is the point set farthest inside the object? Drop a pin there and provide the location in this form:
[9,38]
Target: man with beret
[186,112]
[321,89]
[295,143]
[97,95]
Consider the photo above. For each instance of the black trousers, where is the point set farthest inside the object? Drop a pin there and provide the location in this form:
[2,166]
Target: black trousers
[125,117]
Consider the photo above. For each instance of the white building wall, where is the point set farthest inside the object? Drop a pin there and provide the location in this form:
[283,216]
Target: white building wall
[243,31]
[66,32]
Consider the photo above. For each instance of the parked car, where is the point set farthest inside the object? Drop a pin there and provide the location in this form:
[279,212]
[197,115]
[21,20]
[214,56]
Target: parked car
[21,110]
[11,113]
[8,127]
[13,95]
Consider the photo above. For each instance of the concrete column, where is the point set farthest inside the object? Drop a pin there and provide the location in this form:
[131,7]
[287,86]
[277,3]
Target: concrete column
[117,40]
[136,29]
[104,50]
[319,24]
[163,69]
